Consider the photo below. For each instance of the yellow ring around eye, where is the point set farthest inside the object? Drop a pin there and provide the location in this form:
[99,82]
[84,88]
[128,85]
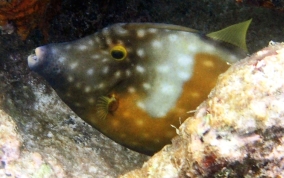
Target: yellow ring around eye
[118,52]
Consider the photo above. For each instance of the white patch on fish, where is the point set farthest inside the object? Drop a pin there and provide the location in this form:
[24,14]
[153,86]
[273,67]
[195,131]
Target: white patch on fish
[90,71]
[140,52]
[82,47]
[62,59]
[156,44]
[73,65]
[140,69]
[141,33]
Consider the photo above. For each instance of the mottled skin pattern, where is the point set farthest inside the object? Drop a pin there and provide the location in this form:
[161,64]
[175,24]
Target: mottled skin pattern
[166,72]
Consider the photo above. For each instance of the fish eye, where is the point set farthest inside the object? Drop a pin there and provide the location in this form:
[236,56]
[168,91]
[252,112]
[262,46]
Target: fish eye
[118,52]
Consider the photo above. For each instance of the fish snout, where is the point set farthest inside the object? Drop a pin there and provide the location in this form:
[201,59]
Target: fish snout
[36,60]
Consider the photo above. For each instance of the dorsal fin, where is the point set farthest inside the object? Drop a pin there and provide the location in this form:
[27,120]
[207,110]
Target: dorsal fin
[159,26]
[234,34]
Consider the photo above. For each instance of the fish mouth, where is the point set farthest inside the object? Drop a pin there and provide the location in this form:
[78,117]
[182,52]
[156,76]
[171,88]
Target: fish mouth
[32,60]
[36,60]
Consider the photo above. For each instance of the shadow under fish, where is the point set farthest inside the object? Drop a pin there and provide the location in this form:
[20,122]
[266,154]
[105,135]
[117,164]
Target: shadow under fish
[134,81]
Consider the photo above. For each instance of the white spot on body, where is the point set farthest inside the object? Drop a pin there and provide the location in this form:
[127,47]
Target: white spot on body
[140,52]
[78,85]
[141,105]
[62,59]
[90,71]
[105,60]
[156,44]
[73,65]
[54,51]
[208,63]
[140,69]
[129,50]
[77,104]
[139,122]
[91,42]
[141,33]
[82,47]
[195,94]
[105,31]
[128,72]
[87,89]
[105,70]
[108,41]
[95,56]
[131,90]
[91,100]
[117,74]
[121,30]
[106,52]
[152,30]
[70,79]
[146,86]
[145,135]
[97,39]
[115,123]
[101,86]
[120,42]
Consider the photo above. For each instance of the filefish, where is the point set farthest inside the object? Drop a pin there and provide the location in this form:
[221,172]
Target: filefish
[135,82]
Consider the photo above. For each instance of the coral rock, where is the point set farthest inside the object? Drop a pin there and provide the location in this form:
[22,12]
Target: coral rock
[237,132]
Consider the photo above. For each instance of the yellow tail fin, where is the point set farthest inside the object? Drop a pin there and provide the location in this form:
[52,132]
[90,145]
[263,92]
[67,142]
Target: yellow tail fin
[234,34]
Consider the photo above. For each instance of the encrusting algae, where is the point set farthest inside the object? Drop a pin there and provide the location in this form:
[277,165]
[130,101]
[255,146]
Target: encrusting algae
[134,81]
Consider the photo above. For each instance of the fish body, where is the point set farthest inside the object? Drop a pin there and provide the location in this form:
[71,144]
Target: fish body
[133,82]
